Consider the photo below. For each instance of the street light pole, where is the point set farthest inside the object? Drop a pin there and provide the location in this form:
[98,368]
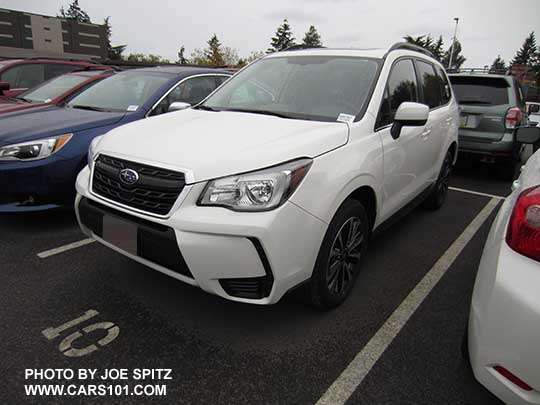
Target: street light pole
[456,19]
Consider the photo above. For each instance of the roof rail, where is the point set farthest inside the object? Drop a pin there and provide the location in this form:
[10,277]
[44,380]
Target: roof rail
[483,70]
[408,46]
[299,47]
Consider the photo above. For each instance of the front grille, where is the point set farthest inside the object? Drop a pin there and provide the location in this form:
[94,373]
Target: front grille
[156,190]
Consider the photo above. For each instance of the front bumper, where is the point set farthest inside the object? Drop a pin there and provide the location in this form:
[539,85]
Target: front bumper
[223,250]
[504,323]
[37,185]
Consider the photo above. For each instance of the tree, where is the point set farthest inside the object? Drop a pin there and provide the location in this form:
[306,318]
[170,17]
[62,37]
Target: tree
[437,49]
[253,56]
[498,64]
[312,39]
[230,56]
[528,54]
[75,12]
[283,39]
[429,43]
[115,52]
[457,58]
[214,53]
[150,58]
[198,57]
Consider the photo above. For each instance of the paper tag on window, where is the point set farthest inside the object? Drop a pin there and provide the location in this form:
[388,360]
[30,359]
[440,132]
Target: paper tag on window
[346,118]
[132,107]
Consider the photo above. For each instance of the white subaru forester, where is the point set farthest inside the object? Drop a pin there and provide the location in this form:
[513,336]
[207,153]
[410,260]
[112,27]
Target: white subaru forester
[280,176]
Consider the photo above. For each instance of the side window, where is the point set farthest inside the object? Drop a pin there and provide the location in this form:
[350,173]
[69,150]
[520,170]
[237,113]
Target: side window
[220,80]
[429,83]
[191,91]
[25,76]
[401,87]
[55,69]
[446,92]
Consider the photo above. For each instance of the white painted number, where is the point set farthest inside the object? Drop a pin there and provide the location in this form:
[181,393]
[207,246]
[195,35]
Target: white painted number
[66,346]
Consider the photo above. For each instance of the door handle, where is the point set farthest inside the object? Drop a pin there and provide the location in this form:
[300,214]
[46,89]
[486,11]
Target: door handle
[425,134]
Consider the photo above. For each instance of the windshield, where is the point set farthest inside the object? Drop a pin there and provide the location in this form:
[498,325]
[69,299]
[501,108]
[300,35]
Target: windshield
[122,92]
[52,89]
[480,90]
[304,87]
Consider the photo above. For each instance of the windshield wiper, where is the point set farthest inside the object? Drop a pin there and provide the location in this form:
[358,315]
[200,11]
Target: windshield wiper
[89,107]
[205,108]
[264,112]
[26,100]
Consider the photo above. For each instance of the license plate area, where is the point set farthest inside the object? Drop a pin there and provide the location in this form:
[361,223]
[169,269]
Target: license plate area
[120,233]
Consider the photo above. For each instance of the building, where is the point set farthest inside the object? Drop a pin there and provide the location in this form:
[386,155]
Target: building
[27,35]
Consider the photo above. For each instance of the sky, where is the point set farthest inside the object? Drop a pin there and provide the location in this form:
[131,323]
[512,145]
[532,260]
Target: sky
[486,27]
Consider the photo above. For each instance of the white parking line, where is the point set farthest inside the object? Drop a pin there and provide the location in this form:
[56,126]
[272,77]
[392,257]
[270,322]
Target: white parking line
[462,190]
[64,248]
[340,391]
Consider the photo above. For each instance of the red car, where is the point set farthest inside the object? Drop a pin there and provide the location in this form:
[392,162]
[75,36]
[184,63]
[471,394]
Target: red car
[18,75]
[54,91]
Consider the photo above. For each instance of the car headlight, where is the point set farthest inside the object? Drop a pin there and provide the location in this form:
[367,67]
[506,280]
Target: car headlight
[92,150]
[34,150]
[262,190]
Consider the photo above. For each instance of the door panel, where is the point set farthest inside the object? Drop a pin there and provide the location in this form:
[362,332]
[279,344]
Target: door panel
[406,159]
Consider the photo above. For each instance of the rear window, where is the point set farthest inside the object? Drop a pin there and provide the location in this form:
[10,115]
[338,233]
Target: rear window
[480,90]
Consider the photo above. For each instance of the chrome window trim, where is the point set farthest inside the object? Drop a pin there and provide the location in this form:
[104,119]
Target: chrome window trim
[182,81]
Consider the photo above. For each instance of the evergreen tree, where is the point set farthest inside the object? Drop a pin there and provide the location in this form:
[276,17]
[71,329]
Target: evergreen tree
[283,39]
[181,58]
[528,54]
[457,59]
[437,49]
[429,43]
[75,12]
[214,53]
[498,64]
[312,39]
[115,52]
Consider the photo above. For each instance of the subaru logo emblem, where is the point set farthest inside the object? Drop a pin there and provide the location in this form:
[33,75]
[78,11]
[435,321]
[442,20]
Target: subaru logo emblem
[129,176]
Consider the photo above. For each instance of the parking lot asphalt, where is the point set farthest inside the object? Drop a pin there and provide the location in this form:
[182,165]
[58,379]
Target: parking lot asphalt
[226,352]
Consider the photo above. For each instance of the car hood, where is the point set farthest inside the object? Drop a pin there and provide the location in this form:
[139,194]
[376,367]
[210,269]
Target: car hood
[207,145]
[51,122]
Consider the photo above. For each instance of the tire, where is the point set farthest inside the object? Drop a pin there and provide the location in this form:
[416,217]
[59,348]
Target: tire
[507,169]
[465,345]
[437,196]
[340,256]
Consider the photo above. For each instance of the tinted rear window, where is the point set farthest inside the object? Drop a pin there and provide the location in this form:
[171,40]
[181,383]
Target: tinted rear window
[480,90]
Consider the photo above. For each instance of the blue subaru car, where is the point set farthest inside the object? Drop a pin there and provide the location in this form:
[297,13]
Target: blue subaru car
[41,153]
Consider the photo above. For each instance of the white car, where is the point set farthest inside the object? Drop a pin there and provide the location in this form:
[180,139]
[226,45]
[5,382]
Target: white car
[279,177]
[533,109]
[504,322]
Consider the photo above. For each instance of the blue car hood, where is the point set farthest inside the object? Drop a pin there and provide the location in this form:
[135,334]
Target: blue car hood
[52,122]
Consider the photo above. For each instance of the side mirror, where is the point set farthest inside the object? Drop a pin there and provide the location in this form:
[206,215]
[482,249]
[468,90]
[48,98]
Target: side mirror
[3,87]
[533,108]
[178,105]
[528,134]
[409,115]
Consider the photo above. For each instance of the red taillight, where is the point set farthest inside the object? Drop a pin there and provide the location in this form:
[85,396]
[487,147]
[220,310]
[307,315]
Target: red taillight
[514,379]
[513,118]
[523,234]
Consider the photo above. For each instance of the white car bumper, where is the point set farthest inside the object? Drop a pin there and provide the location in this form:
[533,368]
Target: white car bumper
[278,248]
[504,324]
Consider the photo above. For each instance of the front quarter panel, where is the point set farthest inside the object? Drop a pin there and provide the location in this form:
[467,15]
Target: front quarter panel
[336,174]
